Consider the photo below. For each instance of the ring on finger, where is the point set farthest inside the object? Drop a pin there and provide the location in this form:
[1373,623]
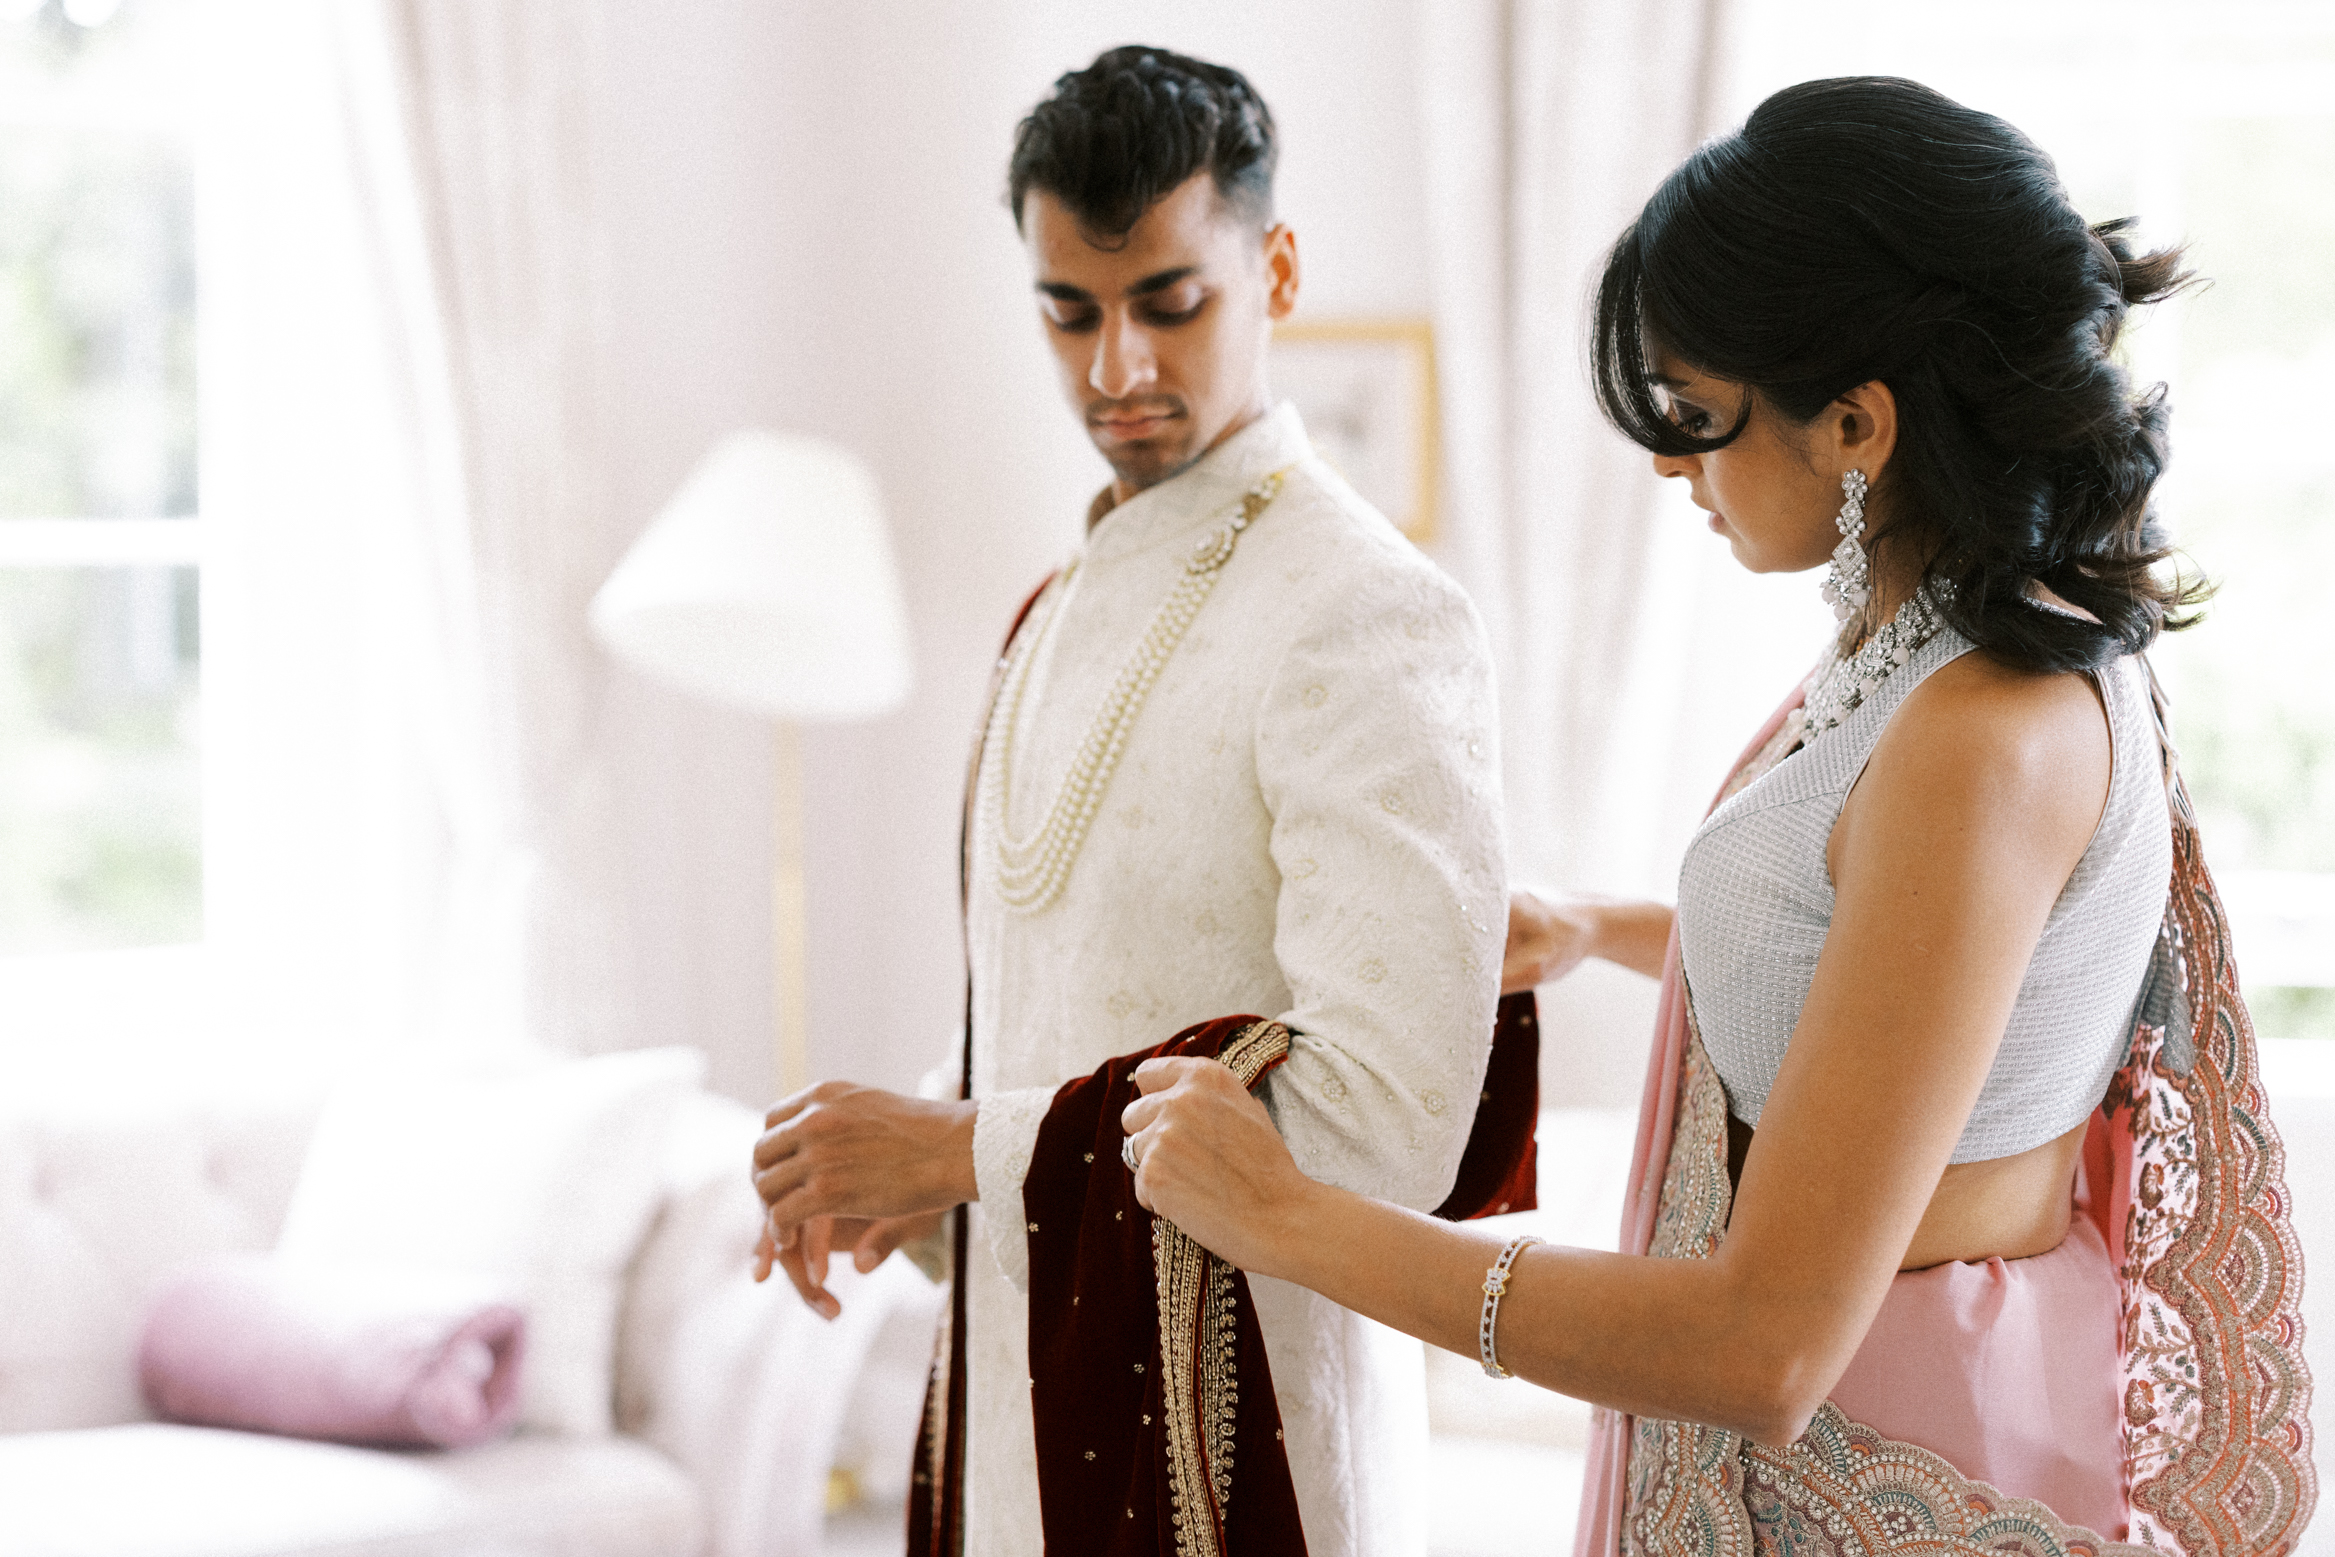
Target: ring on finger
[1127,1154]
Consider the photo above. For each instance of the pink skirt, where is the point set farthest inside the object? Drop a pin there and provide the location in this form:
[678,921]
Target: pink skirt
[2009,1369]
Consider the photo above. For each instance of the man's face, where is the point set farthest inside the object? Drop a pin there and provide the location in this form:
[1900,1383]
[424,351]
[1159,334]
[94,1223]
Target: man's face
[1160,337]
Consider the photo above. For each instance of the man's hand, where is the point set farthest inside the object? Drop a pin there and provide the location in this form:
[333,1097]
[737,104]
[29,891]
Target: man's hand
[840,1164]
[805,1258]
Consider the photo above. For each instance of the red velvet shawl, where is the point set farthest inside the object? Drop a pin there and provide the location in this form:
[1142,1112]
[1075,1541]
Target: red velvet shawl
[1148,1374]
[1141,1342]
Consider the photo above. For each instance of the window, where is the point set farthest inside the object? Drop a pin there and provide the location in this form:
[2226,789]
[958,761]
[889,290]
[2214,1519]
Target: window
[100,528]
[2214,125]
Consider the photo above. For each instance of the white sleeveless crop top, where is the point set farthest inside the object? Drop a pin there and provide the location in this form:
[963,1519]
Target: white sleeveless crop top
[1755,901]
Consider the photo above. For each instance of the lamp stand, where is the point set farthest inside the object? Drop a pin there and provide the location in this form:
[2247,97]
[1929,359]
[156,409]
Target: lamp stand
[789,1008]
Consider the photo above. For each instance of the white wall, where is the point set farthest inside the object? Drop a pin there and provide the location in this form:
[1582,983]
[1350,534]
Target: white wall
[807,231]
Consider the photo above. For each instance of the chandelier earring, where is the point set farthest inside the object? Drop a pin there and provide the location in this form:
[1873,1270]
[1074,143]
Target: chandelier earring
[1848,578]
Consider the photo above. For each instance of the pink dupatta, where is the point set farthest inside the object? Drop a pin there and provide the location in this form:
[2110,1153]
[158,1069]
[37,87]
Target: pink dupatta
[1604,1494]
[2183,1193]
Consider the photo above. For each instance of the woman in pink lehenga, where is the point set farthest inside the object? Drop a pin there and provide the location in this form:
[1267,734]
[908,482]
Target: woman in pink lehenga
[1957,1222]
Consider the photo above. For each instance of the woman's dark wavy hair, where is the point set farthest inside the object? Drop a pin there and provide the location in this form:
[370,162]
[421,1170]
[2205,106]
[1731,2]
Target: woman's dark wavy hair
[1868,228]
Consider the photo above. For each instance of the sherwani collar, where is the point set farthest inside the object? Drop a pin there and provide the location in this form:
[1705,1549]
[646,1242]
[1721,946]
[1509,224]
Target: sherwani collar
[1204,492]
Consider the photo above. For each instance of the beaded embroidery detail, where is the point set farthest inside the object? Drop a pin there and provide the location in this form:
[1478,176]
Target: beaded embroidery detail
[1196,1330]
[1685,1480]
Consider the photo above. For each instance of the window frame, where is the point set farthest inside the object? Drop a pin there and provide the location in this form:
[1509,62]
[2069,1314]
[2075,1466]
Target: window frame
[165,107]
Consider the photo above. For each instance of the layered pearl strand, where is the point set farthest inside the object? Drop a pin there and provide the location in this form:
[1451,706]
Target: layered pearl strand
[1032,871]
[1842,683]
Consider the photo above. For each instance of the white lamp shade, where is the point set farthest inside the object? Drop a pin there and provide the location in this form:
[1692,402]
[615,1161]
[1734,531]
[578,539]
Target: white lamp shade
[767,582]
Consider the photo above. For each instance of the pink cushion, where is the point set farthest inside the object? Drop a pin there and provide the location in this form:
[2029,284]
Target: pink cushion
[350,1353]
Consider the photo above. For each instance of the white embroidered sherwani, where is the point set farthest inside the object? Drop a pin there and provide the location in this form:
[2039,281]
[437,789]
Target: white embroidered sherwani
[1305,825]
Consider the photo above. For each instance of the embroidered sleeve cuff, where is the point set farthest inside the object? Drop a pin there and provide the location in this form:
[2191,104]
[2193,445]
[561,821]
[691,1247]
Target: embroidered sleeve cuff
[1005,1133]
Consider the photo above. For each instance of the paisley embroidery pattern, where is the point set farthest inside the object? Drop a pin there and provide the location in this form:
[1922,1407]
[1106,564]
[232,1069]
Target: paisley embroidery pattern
[1686,1489]
[2216,1394]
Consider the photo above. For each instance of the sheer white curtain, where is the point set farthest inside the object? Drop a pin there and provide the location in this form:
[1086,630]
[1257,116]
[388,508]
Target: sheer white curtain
[1548,124]
[494,104]
[333,819]
[401,306]
[1635,657]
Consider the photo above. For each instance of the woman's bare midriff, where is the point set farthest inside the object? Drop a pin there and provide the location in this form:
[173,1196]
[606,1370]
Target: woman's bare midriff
[2009,1207]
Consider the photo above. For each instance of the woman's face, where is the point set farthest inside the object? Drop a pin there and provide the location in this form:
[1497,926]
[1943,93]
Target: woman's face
[1775,491]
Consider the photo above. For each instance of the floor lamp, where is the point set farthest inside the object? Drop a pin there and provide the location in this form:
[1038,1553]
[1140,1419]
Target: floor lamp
[767,583]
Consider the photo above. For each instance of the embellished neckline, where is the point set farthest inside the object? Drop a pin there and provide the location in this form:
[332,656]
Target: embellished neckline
[1843,683]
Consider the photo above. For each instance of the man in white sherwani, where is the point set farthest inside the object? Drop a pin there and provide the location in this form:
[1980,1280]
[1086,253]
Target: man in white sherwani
[1242,758]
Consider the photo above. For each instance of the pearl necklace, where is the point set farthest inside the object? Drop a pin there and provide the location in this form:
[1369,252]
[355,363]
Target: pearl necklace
[1032,871]
[1843,683]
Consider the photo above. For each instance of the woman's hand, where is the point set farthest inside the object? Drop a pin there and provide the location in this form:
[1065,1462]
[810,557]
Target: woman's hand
[1212,1163]
[1547,939]
[1549,936]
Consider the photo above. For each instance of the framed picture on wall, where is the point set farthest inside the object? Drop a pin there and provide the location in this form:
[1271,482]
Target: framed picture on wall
[1366,388]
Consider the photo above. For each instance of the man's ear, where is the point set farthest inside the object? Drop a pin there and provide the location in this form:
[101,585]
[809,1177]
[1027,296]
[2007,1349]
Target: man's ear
[1863,424]
[1281,270]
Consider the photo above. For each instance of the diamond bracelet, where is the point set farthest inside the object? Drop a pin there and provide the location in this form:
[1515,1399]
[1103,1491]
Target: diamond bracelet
[1495,1288]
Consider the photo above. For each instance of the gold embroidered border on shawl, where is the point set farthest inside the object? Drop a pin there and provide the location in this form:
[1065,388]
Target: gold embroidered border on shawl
[1196,1329]
[930,1466]
[2217,1431]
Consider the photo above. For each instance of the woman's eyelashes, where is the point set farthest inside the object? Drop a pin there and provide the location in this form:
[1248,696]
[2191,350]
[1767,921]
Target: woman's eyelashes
[1680,412]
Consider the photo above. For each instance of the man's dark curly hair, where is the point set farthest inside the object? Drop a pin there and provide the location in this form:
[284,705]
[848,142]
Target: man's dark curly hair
[1114,138]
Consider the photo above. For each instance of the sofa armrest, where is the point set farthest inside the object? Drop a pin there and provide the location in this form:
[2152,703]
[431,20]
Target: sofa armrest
[741,1384]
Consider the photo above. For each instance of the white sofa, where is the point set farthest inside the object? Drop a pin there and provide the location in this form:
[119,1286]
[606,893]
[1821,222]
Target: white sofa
[731,1399]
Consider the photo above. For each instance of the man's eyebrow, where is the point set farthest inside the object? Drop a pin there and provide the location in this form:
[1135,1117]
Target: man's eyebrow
[1062,291]
[1161,281]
